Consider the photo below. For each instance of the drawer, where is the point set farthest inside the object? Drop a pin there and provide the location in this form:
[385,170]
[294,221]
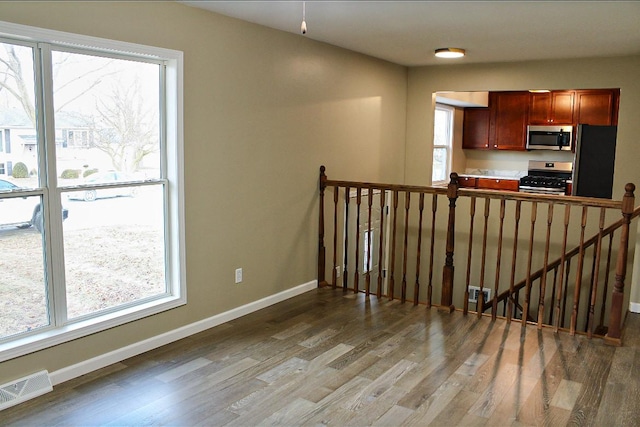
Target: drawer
[498,184]
[467,182]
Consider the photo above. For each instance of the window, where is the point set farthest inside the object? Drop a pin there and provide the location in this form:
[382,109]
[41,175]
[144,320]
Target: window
[91,223]
[442,142]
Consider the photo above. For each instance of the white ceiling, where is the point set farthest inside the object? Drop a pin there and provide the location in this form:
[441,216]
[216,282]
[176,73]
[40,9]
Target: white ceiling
[407,32]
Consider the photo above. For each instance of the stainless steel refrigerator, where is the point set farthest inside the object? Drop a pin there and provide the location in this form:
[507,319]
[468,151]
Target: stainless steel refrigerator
[594,161]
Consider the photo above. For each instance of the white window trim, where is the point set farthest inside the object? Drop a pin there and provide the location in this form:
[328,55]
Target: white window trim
[449,146]
[176,274]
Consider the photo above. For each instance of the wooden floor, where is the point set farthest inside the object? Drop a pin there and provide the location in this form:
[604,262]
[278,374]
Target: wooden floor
[331,358]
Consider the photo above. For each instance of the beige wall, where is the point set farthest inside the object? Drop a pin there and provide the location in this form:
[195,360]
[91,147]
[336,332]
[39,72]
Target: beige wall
[263,109]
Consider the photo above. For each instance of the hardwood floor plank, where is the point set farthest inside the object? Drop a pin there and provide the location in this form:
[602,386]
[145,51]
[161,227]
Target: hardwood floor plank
[500,383]
[433,405]
[566,395]
[456,410]
[395,416]
[378,386]
[183,369]
[372,410]
[290,414]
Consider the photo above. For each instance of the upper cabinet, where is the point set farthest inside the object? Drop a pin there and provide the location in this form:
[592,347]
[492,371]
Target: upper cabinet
[508,125]
[503,125]
[597,107]
[475,128]
[551,108]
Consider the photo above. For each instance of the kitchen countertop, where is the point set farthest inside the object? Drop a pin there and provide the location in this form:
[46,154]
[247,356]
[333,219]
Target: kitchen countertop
[490,176]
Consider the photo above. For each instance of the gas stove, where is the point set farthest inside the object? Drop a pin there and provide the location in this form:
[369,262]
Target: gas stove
[546,177]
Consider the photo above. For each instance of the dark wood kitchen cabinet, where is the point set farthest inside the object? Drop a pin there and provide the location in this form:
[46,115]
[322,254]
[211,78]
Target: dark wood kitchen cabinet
[508,125]
[597,107]
[552,108]
[475,128]
[467,182]
[498,184]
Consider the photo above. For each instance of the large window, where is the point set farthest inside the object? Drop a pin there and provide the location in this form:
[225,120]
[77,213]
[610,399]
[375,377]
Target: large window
[91,231]
[442,142]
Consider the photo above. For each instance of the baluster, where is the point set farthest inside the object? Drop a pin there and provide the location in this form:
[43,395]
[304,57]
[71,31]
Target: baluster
[434,209]
[416,288]
[345,273]
[605,288]
[566,292]
[321,248]
[576,294]
[494,304]
[527,294]
[511,307]
[381,245]
[596,273]
[472,213]
[334,274]
[446,300]
[553,293]
[545,265]
[393,246]
[369,248]
[480,301]
[559,296]
[615,317]
[407,203]
[356,278]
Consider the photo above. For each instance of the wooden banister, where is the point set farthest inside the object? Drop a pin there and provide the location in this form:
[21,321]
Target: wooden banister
[551,295]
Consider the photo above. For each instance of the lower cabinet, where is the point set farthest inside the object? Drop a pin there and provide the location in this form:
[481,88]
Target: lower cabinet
[488,183]
[498,184]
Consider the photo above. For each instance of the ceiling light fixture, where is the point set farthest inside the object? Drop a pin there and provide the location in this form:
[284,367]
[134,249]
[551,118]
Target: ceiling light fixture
[539,90]
[450,52]
[303,26]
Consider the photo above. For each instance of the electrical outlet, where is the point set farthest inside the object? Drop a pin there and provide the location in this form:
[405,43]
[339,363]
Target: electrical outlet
[337,271]
[238,275]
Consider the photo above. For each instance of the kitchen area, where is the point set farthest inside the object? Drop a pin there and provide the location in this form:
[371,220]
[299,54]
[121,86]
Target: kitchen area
[559,142]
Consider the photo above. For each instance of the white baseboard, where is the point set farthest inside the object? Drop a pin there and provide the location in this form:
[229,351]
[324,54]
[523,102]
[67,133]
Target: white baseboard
[634,307]
[90,365]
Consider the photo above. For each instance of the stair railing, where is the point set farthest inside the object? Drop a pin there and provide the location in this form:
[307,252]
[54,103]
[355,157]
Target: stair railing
[384,222]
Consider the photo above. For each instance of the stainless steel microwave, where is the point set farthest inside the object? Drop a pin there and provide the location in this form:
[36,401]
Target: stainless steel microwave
[549,137]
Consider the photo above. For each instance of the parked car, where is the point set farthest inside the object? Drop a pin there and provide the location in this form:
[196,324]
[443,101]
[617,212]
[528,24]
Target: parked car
[22,212]
[90,195]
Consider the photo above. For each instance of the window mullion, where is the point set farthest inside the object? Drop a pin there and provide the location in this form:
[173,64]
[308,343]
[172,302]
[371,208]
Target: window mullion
[53,243]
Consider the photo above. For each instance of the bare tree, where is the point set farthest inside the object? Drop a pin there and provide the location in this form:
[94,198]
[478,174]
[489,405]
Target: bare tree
[12,81]
[124,129]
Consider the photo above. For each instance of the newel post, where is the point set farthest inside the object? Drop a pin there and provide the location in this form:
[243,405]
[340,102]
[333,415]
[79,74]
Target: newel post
[321,248]
[614,334]
[446,302]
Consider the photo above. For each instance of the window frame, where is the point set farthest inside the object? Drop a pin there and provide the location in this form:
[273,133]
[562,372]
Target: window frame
[448,146]
[172,177]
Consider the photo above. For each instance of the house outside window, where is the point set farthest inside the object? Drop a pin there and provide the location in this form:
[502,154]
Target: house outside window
[442,142]
[101,238]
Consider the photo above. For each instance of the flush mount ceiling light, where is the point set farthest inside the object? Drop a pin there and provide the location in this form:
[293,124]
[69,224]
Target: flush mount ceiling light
[539,90]
[450,52]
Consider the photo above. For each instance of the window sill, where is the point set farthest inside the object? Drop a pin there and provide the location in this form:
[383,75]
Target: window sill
[54,336]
